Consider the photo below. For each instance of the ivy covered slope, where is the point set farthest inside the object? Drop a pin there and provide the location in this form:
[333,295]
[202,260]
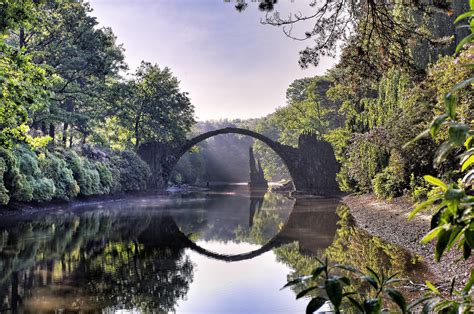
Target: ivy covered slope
[70,119]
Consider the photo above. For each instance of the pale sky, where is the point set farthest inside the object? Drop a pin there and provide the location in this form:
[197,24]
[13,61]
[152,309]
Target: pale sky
[231,65]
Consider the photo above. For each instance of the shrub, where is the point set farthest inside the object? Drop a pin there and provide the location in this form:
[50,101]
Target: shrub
[43,189]
[105,177]
[368,155]
[134,172]
[57,170]
[84,173]
[4,197]
[387,184]
[27,161]
[21,189]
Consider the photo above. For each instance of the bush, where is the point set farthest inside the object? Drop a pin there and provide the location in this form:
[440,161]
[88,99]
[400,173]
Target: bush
[43,190]
[387,184]
[21,189]
[368,155]
[134,172]
[4,197]
[85,174]
[27,162]
[57,170]
[105,177]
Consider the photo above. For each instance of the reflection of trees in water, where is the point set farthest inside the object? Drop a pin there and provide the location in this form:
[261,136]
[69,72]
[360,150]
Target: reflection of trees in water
[103,260]
[130,275]
[354,246]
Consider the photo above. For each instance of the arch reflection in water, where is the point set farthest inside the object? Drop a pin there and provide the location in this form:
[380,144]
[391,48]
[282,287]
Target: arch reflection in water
[152,253]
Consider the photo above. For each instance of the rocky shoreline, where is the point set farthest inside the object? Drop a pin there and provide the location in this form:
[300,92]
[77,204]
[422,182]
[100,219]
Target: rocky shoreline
[388,220]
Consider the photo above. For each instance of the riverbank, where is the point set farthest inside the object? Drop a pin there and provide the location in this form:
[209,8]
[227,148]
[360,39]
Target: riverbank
[388,220]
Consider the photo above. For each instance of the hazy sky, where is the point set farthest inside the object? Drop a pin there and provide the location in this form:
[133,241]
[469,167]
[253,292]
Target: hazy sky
[231,65]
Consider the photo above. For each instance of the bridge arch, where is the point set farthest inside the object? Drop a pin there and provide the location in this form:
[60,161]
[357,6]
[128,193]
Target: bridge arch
[312,165]
[281,150]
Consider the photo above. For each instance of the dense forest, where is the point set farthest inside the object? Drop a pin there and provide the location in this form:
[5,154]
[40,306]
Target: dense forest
[70,117]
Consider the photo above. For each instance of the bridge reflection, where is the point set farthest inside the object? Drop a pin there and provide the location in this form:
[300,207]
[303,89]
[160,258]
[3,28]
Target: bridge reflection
[312,225]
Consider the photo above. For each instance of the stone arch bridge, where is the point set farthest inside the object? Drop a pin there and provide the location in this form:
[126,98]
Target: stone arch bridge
[312,165]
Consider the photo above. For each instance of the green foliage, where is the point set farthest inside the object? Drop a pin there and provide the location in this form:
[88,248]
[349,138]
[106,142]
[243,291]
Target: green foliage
[43,190]
[153,107]
[134,172]
[339,290]
[4,197]
[56,169]
[387,184]
[84,172]
[367,156]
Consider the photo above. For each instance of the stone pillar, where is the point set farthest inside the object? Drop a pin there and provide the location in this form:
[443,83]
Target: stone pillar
[316,167]
[257,177]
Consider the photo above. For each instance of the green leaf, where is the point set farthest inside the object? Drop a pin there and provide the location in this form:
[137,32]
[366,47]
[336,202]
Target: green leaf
[467,163]
[374,274]
[372,306]
[453,194]
[458,133]
[297,281]
[468,142]
[469,236]
[435,181]
[371,281]
[450,103]
[469,283]
[422,206]
[315,304]
[464,41]
[463,16]
[356,304]
[443,151]
[305,292]
[445,306]
[436,124]
[318,271]
[462,84]
[432,288]
[347,267]
[471,5]
[423,134]
[431,235]
[443,241]
[466,250]
[398,298]
[334,291]
[344,280]
[419,301]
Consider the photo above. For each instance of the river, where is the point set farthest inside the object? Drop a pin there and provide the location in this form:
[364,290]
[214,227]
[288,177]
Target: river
[226,250]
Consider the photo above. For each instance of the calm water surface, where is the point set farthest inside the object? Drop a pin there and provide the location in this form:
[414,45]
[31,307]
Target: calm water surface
[221,251]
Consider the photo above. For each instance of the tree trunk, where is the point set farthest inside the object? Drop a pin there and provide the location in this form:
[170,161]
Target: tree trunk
[52,132]
[22,37]
[69,106]
[66,125]
[137,132]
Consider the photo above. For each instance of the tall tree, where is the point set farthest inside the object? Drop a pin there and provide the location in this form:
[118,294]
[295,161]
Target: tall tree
[154,108]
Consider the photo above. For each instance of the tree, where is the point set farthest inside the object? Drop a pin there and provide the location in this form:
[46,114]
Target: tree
[63,37]
[23,83]
[385,29]
[154,108]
